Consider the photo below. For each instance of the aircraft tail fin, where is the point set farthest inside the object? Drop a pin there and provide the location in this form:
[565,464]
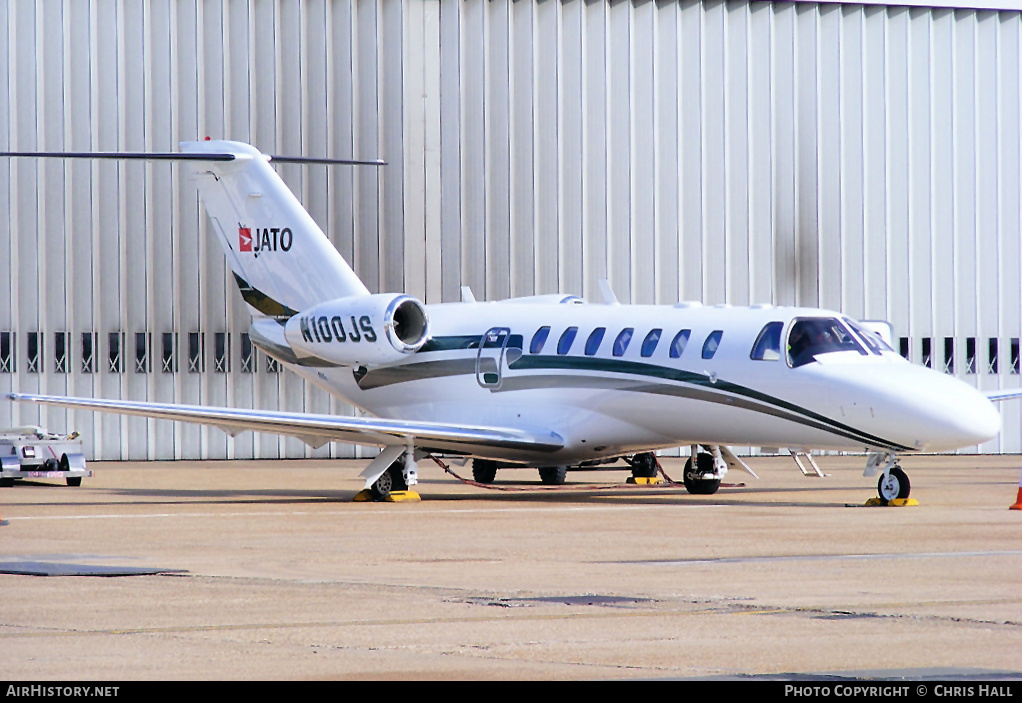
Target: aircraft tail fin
[281,259]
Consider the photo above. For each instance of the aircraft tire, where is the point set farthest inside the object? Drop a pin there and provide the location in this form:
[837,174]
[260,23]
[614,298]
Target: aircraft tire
[484,471]
[553,475]
[644,465]
[391,480]
[896,486]
[700,486]
[74,480]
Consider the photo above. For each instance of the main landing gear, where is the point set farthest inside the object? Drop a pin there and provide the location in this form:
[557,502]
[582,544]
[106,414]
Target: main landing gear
[389,476]
[393,479]
[643,465]
[893,483]
[703,471]
[702,476]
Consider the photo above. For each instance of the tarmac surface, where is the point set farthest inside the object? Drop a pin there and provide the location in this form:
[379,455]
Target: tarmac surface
[268,570]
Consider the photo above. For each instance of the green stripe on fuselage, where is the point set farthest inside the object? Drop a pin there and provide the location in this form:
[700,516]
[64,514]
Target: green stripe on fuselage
[717,391]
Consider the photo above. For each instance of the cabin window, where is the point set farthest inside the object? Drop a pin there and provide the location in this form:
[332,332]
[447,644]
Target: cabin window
[567,337]
[539,339]
[594,341]
[649,344]
[712,343]
[679,342]
[810,337]
[768,343]
[623,338]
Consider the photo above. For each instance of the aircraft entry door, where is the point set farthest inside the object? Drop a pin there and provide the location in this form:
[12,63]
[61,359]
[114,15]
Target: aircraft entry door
[490,360]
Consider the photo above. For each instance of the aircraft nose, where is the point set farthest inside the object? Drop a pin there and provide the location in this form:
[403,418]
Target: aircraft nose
[953,413]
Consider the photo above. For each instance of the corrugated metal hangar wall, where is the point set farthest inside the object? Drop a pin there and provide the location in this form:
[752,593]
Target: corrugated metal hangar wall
[858,157]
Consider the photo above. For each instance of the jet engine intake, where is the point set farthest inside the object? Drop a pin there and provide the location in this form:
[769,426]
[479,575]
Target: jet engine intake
[365,330]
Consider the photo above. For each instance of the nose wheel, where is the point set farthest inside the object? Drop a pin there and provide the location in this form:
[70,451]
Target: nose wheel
[893,484]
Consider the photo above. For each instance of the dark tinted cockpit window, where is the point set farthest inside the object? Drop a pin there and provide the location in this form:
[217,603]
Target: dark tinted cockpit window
[812,336]
[870,338]
[768,343]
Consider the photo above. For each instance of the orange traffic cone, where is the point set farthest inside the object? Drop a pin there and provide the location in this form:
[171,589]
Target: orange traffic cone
[1018,500]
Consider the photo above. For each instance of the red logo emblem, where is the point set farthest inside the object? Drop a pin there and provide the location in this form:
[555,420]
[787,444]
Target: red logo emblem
[244,239]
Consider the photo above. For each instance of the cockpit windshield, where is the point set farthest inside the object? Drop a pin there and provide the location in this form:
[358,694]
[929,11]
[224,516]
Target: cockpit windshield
[810,337]
[874,341]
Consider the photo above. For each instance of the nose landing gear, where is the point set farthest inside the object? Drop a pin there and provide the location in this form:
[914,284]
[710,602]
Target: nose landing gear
[893,484]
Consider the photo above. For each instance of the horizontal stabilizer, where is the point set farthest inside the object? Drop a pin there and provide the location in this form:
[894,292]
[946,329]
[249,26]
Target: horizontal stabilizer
[180,156]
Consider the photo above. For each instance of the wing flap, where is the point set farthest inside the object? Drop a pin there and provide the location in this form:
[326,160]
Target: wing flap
[319,429]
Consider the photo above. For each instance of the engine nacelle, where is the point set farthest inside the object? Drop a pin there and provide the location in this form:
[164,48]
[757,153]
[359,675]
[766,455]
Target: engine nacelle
[369,330]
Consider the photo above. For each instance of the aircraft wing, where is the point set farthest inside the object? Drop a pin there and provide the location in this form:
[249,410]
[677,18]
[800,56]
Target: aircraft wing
[317,430]
[1004,394]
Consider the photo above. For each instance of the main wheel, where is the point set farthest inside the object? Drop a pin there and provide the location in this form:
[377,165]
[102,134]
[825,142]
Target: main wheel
[893,485]
[644,465]
[74,480]
[553,475]
[393,479]
[696,485]
[484,471]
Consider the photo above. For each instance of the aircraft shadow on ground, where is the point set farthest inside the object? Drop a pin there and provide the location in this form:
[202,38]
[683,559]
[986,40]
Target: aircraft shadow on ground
[434,490]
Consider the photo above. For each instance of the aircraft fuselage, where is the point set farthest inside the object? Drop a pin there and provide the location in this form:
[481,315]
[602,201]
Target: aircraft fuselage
[617,379]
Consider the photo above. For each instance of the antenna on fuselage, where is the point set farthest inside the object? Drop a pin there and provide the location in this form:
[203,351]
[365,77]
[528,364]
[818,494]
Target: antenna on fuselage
[608,293]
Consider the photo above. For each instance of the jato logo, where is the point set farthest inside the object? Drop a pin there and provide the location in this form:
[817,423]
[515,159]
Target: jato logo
[265,239]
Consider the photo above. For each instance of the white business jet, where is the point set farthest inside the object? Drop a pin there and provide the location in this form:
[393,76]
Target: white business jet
[550,381]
